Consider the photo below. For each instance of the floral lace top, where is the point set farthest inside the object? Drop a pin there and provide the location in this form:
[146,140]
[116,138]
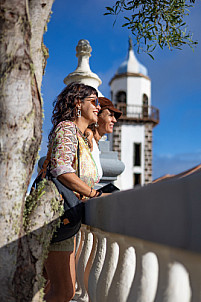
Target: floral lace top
[64,154]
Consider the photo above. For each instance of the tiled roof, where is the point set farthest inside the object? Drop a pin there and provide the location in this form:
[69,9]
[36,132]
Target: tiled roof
[180,175]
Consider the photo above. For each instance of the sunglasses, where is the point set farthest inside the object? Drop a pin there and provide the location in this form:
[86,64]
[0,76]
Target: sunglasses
[94,102]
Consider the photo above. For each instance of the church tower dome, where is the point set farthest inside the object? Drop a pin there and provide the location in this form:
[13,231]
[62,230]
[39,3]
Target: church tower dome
[131,64]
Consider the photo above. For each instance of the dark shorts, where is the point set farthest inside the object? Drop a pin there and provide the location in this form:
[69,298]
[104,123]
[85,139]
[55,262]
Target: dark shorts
[63,246]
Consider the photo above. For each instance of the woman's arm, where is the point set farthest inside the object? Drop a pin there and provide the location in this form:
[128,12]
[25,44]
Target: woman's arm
[62,158]
[73,182]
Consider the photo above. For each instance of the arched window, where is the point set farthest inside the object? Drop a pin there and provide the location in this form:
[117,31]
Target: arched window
[121,97]
[145,105]
[121,101]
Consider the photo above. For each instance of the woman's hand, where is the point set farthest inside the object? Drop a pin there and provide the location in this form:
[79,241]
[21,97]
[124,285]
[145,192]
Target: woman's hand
[106,194]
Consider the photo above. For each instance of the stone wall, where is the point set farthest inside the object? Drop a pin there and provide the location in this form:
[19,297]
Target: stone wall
[148,153]
[147,148]
[116,146]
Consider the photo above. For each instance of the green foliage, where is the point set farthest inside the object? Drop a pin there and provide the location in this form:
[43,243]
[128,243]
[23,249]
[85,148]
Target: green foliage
[31,202]
[155,22]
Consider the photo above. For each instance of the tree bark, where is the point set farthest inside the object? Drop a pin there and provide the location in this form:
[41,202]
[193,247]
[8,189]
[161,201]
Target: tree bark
[22,61]
[41,217]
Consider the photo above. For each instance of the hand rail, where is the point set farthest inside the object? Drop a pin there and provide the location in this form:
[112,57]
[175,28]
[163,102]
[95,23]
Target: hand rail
[142,244]
[144,113]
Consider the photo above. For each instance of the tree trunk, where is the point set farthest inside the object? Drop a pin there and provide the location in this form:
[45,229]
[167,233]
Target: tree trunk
[22,61]
[41,216]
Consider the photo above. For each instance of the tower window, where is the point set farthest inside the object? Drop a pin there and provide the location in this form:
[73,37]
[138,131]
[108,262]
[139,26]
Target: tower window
[136,179]
[137,154]
[121,102]
[121,97]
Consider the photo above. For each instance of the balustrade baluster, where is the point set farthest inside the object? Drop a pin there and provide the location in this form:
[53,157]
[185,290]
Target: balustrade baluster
[145,282]
[149,278]
[96,266]
[108,270]
[83,259]
[90,263]
[79,245]
[178,288]
[124,274]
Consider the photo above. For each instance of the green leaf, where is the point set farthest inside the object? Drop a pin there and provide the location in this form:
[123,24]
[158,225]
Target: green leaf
[109,8]
[151,56]
[161,22]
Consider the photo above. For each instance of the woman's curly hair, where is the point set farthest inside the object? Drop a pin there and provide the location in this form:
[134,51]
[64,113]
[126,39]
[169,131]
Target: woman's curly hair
[65,103]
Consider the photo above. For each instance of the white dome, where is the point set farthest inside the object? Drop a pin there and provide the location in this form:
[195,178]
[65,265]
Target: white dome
[131,64]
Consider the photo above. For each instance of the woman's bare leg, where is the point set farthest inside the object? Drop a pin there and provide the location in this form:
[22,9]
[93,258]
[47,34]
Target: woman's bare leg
[60,268]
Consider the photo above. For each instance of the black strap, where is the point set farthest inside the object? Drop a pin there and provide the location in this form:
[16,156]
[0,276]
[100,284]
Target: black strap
[78,159]
[78,156]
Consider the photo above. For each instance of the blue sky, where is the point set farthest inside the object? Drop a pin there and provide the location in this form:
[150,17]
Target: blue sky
[175,76]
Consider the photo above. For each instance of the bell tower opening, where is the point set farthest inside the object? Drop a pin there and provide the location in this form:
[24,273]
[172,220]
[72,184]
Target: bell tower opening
[121,97]
[121,101]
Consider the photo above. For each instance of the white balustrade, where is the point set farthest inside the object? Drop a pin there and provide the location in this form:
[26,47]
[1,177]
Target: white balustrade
[118,268]
[142,245]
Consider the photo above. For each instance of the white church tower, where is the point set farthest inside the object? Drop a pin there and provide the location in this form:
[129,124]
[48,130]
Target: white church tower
[132,137]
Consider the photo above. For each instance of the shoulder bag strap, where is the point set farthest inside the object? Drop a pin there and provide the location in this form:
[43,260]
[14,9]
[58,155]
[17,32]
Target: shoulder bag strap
[78,159]
[43,170]
[78,156]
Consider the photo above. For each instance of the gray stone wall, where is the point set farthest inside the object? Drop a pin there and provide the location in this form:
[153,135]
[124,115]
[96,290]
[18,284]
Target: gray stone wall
[116,146]
[166,212]
[147,148]
[148,153]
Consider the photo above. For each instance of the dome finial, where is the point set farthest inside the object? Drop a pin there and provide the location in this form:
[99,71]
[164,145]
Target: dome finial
[83,73]
[130,43]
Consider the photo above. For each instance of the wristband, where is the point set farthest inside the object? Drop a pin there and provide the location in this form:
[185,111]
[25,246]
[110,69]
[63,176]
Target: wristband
[90,193]
[97,194]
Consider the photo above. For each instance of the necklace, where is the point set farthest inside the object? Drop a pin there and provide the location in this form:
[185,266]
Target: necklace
[82,135]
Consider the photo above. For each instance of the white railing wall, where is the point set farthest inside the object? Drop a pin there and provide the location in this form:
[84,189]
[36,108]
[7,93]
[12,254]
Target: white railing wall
[159,261]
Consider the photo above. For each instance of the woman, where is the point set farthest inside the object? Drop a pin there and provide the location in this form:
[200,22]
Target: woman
[74,110]
[107,117]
